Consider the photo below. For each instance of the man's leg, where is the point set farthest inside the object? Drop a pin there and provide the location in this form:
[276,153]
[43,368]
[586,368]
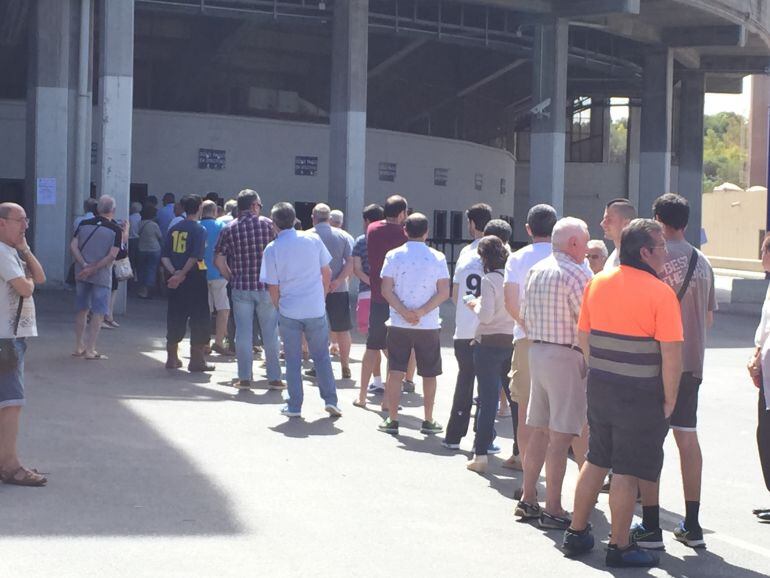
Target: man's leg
[291,332]
[268,325]
[81,318]
[623,493]
[223,316]
[317,335]
[392,396]
[100,301]
[243,315]
[460,416]
[691,460]
[9,431]
[429,396]
[580,447]
[533,463]
[589,482]
[196,290]
[555,466]
[370,359]
[411,368]
[344,341]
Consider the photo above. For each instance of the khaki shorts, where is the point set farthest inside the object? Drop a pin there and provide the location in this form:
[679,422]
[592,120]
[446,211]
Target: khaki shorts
[218,295]
[520,381]
[557,399]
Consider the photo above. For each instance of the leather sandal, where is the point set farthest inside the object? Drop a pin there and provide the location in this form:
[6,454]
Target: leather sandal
[31,478]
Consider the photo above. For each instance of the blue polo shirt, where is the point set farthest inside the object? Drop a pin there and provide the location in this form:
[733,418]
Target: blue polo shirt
[213,227]
[293,262]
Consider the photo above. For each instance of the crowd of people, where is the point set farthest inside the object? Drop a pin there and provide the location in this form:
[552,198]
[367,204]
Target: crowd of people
[594,356]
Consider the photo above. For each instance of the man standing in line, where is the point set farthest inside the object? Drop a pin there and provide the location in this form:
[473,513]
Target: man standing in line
[381,237]
[188,297]
[94,247]
[296,269]
[617,214]
[415,281]
[596,255]
[239,254]
[557,404]
[166,213]
[20,271]
[338,298]
[217,284]
[688,272]
[627,314]
[540,222]
[467,281]
[89,210]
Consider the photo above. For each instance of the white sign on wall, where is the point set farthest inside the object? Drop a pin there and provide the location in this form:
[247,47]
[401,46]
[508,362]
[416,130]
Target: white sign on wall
[46,191]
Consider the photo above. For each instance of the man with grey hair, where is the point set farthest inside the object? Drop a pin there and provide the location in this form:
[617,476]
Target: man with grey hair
[596,253]
[557,404]
[296,269]
[338,298]
[94,247]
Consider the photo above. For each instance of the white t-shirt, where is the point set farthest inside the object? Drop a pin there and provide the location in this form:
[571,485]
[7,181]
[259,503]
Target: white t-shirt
[612,262]
[12,267]
[517,268]
[468,273]
[415,268]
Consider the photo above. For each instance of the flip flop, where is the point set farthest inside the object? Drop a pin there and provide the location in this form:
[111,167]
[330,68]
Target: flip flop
[78,353]
[359,404]
[96,357]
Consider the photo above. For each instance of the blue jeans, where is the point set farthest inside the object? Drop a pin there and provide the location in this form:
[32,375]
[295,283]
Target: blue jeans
[245,304]
[317,335]
[148,267]
[488,362]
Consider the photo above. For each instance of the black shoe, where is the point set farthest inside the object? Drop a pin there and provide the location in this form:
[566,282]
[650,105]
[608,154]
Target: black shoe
[310,372]
[389,426]
[578,542]
[632,556]
[689,537]
[407,386]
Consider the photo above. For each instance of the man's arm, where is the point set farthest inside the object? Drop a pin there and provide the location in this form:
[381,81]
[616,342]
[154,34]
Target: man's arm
[178,277]
[91,268]
[390,296]
[583,343]
[347,271]
[358,270]
[512,304]
[455,290]
[220,262]
[441,295]
[35,269]
[275,294]
[671,370]
[326,278]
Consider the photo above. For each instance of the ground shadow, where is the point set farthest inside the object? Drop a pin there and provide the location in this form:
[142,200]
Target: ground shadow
[299,428]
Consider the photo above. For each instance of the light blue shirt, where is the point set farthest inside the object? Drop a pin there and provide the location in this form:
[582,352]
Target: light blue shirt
[213,228]
[165,216]
[293,262]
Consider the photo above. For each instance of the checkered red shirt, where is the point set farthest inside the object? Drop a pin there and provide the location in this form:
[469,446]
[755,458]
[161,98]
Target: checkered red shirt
[243,242]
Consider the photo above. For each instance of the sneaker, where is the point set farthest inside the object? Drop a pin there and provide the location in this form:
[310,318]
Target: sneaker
[692,538]
[527,511]
[310,372]
[632,556]
[288,413]
[375,388]
[449,446]
[389,426]
[276,384]
[407,386]
[577,542]
[243,384]
[551,522]
[493,449]
[333,410]
[431,427]
[647,539]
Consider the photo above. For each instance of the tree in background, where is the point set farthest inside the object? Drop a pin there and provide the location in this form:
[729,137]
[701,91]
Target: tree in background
[724,150]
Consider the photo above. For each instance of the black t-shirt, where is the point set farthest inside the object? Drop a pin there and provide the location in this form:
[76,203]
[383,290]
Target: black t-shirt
[185,240]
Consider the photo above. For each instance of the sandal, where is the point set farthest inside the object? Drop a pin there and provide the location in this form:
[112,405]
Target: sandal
[31,478]
[95,357]
[78,353]
[361,404]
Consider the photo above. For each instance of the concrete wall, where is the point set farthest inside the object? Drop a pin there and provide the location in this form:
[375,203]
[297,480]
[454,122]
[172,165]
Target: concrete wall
[733,222]
[12,135]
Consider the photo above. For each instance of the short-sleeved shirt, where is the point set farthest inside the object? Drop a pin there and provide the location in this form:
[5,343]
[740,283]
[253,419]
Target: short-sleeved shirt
[165,216]
[613,261]
[381,237]
[106,235]
[338,244]
[359,250]
[185,240]
[698,300]
[213,228]
[631,302]
[243,242]
[415,268]
[12,267]
[133,225]
[293,262]
[468,273]
[517,268]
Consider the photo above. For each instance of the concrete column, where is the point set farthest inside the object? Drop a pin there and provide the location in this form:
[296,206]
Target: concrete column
[116,85]
[655,145]
[549,95]
[632,154]
[690,183]
[82,188]
[51,108]
[347,146]
[758,129]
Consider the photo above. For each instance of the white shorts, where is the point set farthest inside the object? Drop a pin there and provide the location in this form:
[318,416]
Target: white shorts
[218,295]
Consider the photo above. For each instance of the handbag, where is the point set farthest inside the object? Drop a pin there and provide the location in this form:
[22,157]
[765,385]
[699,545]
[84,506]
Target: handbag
[70,280]
[123,270]
[9,358]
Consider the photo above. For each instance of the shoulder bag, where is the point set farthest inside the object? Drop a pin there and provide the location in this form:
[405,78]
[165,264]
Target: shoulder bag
[9,358]
[688,276]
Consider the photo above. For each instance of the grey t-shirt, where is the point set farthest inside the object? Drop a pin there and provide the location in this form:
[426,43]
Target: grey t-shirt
[106,235]
[338,245]
[699,299]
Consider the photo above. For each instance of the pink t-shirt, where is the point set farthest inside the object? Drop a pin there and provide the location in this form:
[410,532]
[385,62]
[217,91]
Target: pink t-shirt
[381,237]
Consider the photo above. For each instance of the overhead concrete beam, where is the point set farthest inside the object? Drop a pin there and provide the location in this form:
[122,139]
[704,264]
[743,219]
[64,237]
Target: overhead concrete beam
[724,84]
[570,8]
[735,64]
[396,57]
[687,57]
[678,36]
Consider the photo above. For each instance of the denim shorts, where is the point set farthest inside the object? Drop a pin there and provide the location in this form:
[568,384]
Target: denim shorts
[95,298]
[12,382]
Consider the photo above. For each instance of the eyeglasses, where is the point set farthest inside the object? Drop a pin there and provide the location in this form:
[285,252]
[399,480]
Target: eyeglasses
[590,256]
[661,246]
[17,219]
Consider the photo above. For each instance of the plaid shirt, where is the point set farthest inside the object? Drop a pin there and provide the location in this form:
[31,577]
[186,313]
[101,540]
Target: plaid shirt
[243,242]
[551,306]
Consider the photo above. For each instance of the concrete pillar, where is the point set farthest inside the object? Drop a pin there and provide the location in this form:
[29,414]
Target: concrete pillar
[690,183]
[655,145]
[347,146]
[632,154]
[116,85]
[549,95]
[50,131]
[84,117]
[758,129]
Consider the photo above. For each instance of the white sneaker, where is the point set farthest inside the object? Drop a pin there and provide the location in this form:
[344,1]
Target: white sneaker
[333,410]
[288,413]
[375,388]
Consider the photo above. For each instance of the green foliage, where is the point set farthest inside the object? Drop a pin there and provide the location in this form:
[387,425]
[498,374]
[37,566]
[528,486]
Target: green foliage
[724,150]
[618,140]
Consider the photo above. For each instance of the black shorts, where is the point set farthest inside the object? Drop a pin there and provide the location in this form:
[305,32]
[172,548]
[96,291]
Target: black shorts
[377,338]
[338,311]
[685,415]
[427,350]
[627,428]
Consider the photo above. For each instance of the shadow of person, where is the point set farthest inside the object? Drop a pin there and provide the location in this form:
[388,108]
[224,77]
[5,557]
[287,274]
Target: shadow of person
[265,397]
[299,428]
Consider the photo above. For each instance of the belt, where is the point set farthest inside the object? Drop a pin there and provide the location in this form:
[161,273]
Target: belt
[573,347]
